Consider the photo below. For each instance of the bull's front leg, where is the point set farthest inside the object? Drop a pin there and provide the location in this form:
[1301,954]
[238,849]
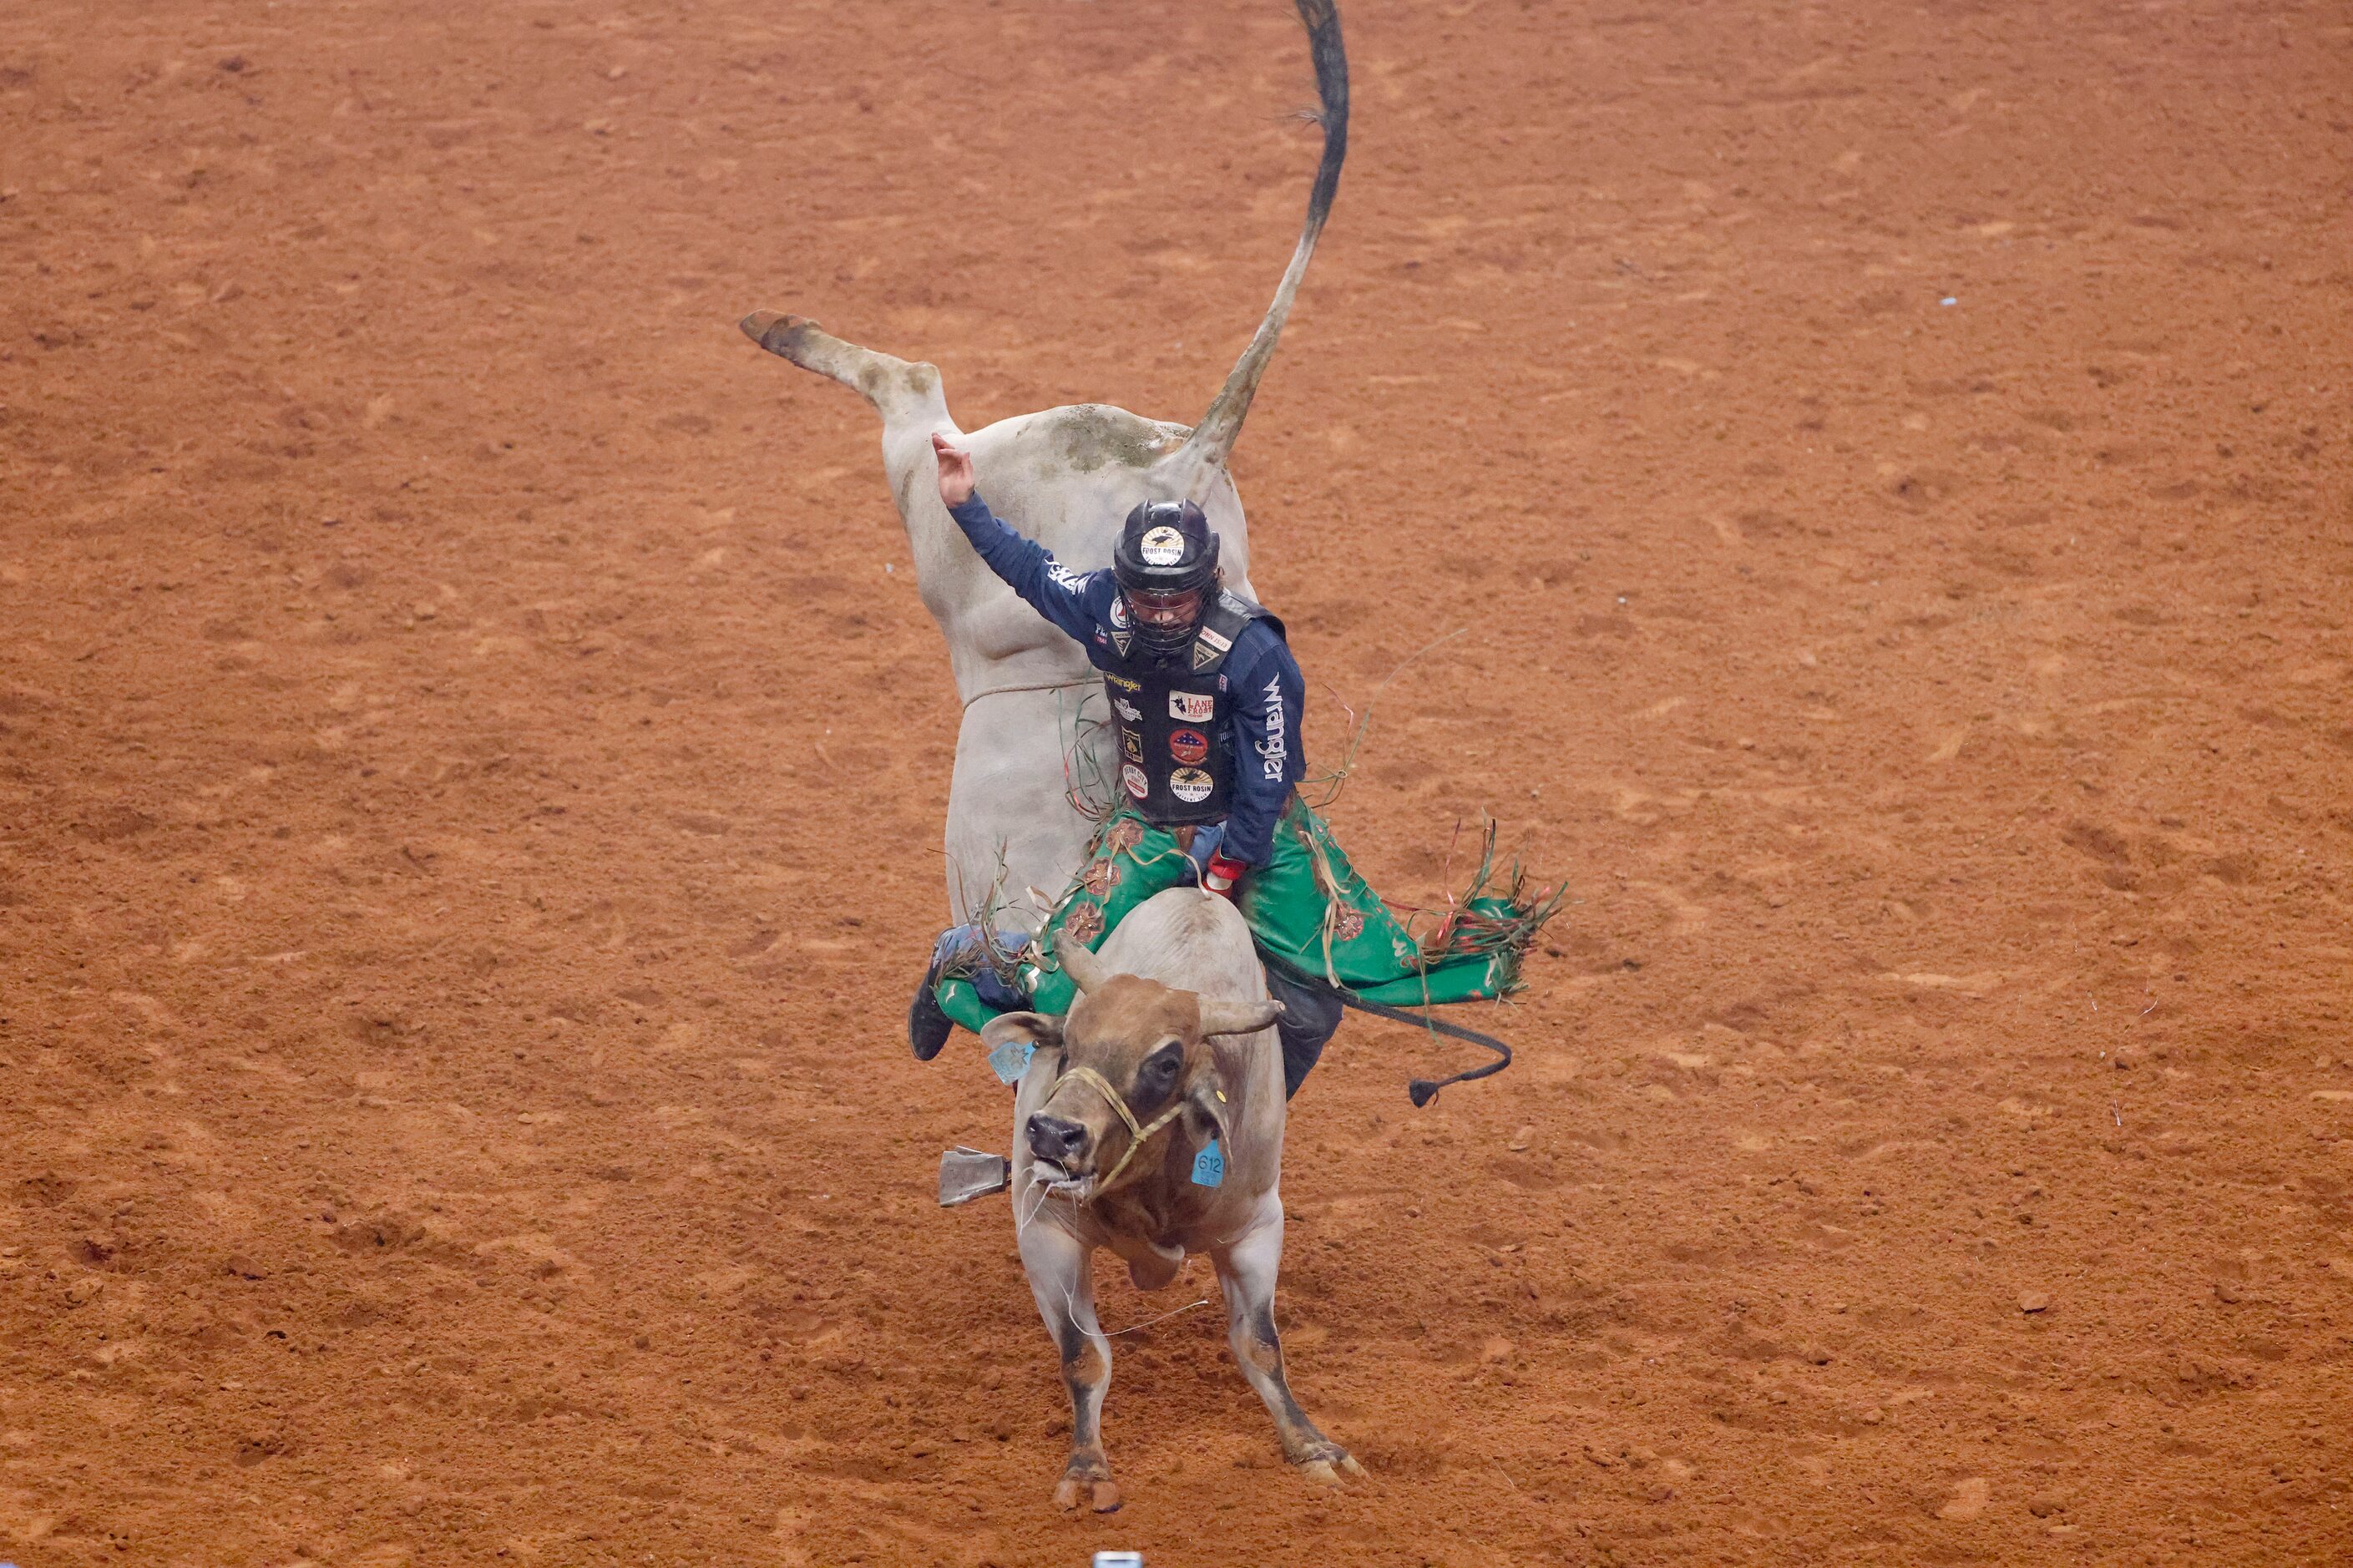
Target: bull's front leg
[1062,1278]
[1246,1273]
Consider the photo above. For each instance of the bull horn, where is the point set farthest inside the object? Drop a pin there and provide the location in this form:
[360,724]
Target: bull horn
[1222,1016]
[1087,972]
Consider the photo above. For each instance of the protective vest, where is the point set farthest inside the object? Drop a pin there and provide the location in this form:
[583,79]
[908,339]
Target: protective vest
[1176,764]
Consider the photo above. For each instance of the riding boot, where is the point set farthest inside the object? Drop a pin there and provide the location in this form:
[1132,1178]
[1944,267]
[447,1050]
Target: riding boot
[928,1024]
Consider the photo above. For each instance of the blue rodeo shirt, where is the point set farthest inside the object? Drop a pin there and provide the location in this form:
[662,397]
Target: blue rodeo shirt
[1261,680]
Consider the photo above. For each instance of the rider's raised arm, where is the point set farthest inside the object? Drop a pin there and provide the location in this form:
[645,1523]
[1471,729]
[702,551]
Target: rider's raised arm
[1069,599]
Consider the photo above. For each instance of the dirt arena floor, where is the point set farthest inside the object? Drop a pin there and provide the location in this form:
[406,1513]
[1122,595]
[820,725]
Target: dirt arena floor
[472,776]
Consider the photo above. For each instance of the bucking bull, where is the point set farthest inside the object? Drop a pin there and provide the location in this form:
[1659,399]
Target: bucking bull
[1150,1118]
[1070,474]
[1150,1121]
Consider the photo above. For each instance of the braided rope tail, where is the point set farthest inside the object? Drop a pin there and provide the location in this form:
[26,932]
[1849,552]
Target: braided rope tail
[1420,1090]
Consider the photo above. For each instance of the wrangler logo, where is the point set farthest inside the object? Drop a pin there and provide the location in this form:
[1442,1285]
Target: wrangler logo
[1272,748]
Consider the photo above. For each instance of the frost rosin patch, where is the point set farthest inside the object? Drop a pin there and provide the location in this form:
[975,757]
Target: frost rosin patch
[1163,547]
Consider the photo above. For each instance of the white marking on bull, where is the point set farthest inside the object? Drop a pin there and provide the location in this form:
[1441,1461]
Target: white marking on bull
[1066,477]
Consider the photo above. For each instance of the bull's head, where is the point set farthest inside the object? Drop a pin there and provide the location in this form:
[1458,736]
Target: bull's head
[1135,1056]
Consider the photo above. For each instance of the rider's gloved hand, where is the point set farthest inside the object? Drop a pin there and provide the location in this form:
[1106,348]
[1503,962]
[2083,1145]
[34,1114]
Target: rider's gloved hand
[1205,840]
[1222,873]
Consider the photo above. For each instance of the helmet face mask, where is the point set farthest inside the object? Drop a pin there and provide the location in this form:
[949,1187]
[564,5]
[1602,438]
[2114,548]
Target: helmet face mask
[1165,563]
[1164,622]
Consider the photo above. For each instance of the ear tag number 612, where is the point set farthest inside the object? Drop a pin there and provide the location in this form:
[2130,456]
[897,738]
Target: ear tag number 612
[1209,1166]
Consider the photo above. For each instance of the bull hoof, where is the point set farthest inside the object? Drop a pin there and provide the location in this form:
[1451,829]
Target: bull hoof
[1100,1493]
[772,330]
[1325,1463]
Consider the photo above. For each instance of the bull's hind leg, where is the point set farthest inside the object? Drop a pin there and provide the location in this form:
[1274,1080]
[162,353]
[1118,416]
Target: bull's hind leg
[1246,1273]
[901,391]
[1063,1279]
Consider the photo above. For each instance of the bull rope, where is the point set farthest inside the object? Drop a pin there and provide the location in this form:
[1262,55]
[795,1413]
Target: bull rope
[1032,686]
[1420,1090]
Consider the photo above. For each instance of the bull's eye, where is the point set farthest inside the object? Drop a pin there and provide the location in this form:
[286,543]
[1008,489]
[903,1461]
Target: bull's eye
[1160,1072]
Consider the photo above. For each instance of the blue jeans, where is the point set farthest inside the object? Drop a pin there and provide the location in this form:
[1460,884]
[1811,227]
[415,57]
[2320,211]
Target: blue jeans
[961,952]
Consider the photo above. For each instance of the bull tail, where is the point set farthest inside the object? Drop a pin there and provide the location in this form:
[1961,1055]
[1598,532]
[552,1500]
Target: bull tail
[1212,441]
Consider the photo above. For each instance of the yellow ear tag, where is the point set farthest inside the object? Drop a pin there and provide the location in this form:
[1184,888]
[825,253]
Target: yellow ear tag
[1220,1094]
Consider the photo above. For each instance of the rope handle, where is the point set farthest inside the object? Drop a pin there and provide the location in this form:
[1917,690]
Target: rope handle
[1136,1134]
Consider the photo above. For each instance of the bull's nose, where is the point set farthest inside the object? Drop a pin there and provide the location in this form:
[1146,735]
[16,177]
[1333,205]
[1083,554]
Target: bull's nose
[1051,1138]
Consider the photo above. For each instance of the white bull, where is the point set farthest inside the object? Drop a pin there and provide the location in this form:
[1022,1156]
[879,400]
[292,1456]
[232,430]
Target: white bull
[1165,1053]
[1066,477]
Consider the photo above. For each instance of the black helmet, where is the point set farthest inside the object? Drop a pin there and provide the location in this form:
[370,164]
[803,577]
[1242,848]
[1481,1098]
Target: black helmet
[1165,547]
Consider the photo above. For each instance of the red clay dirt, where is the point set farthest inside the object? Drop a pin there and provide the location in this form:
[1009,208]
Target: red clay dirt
[472,778]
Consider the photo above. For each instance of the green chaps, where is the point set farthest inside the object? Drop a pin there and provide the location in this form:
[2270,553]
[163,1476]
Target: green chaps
[1307,909]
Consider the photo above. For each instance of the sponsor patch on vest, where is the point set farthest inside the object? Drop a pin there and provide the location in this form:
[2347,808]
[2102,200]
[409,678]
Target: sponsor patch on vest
[1132,744]
[1188,745]
[1209,645]
[1192,707]
[1122,682]
[1126,710]
[1119,609]
[1163,547]
[1120,641]
[1137,786]
[1190,784]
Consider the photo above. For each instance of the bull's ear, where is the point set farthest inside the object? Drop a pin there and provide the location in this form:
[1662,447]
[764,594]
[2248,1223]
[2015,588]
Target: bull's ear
[1033,1029]
[1013,1040]
[1205,1104]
